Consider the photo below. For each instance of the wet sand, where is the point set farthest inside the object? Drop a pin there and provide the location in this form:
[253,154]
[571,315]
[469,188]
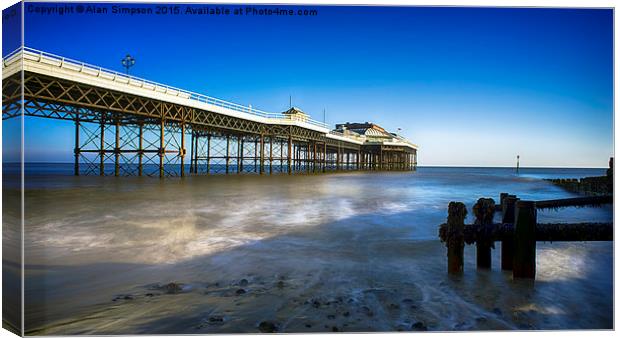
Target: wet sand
[213,256]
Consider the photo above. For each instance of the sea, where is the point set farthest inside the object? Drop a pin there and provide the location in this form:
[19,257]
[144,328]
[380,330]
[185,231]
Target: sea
[350,251]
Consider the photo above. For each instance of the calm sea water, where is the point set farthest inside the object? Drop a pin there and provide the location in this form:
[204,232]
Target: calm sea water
[347,252]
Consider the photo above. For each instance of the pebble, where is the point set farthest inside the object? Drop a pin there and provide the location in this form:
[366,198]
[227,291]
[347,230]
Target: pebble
[331,317]
[172,288]
[240,292]
[419,326]
[267,327]
[243,282]
[216,319]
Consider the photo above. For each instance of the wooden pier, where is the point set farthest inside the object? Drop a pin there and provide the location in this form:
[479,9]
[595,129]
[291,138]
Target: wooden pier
[127,126]
[518,231]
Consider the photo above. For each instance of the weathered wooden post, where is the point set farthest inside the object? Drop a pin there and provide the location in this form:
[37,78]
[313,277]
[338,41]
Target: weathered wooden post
[454,237]
[484,210]
[508,217]
[524,263]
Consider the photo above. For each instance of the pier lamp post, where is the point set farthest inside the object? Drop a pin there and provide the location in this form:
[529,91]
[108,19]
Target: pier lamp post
[128,62]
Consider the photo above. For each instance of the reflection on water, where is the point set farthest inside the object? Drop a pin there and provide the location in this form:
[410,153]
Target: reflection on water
[352,252]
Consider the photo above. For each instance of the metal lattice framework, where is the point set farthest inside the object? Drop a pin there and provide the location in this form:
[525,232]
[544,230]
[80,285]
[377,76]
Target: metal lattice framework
[117,133]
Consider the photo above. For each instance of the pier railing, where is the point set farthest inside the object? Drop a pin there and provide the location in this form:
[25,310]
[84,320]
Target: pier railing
[518,231]
[82,67]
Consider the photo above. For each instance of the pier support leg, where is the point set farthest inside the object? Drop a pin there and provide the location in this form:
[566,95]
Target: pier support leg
[208,154]
[140,148]
[281,157]
[117,148]
[338,158]
[484,210]
[270,154]
[102,146]
[76,150]
[524,264]
[324,157]
[162,150]
[182,149]
[262,154]
[239,154]
[508,216]
[227,152]
[455,239]
[288,153]
[191,153]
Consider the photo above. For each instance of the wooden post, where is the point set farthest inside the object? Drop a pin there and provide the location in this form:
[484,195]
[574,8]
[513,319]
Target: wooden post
[484,210]
[524,263]
[455,240]
[508,216]
[76,150]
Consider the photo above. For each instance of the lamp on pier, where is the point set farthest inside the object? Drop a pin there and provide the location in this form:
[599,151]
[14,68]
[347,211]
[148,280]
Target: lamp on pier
[127,62]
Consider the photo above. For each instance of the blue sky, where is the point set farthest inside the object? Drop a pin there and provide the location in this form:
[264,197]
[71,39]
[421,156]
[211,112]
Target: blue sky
[471,86]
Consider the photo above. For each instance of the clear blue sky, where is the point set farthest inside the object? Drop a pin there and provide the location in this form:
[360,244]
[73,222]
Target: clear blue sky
[471,86]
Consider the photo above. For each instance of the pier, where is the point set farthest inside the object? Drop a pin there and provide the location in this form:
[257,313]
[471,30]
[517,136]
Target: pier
[128,126]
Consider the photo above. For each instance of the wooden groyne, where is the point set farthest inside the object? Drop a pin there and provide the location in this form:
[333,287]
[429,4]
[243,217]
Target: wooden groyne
[518,231]
[596,185]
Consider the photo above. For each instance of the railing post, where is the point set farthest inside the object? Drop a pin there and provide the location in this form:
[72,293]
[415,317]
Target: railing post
[455,239]
[524,264]
[508,217]
[484,210]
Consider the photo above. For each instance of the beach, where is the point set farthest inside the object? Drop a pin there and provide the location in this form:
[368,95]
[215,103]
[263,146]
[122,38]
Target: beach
[311,253]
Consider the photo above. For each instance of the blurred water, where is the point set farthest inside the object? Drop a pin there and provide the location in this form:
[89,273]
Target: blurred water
[368,240]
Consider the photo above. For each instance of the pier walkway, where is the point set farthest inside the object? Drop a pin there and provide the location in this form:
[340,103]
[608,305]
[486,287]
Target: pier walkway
[126,126]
